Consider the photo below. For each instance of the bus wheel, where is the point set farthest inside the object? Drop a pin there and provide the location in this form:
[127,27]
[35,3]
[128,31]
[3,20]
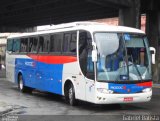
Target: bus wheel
[71,95]
[21,86]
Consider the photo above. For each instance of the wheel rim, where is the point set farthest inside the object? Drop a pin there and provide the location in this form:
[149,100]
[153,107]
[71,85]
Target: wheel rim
[21,84]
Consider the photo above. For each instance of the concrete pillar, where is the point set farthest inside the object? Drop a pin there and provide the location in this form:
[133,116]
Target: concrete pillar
[153,33]
[130,16]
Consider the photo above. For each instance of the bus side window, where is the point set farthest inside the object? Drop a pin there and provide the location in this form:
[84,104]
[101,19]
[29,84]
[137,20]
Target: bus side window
[30,44]
[73,43]
[52,43]
[24,45]
[46,43]
[56,42]
[16,45]
[10,45]
[43,43]
[33,43]
[66,41]
[69,42]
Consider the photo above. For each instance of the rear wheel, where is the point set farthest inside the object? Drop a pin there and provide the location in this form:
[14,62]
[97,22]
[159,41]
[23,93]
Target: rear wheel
[21,85]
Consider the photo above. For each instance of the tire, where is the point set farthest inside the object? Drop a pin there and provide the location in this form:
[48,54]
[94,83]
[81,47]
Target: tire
[22,87]
[70,95]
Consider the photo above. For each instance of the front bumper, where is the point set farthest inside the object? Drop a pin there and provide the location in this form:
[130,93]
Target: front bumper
[102,98]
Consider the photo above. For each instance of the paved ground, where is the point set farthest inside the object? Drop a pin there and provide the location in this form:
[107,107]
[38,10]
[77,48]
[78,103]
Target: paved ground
[12,102]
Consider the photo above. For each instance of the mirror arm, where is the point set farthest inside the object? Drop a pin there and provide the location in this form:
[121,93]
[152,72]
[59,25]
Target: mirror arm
[153,56]
[94,45]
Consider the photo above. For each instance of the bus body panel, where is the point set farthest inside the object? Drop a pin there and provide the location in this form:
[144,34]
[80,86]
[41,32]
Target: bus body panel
[123,93]
[122,98]
[74,74]
[41,75]
[10,67]
[50,77]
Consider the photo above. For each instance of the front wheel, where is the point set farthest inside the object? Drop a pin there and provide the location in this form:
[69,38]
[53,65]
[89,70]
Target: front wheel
[70,96]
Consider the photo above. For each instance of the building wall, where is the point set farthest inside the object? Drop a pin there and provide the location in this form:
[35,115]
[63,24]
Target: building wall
[3,38]
[114,21]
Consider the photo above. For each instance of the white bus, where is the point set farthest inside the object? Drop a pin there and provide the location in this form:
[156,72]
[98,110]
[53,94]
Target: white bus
[85,61]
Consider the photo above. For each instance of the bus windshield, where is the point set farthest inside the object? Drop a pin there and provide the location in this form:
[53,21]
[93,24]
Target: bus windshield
[122,57]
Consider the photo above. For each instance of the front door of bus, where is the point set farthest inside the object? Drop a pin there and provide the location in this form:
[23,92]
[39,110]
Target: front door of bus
[90,84]
[90,90]
[86,64]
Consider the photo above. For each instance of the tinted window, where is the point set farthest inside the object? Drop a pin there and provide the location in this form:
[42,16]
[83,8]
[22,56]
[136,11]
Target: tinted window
[85,54]
[44,43]
[73,42]
[33,43]
[69,42]
[9,44]
[56,42]
[24,45]
[16,45]
[66,41]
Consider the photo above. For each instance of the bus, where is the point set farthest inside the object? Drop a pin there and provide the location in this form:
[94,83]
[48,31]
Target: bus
[85,61]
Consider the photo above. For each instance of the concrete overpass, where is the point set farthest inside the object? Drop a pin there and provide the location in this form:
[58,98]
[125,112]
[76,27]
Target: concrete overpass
[26,13]
[23,15]
[17,15]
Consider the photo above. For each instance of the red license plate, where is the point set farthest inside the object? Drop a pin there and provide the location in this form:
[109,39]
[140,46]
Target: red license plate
[128,99]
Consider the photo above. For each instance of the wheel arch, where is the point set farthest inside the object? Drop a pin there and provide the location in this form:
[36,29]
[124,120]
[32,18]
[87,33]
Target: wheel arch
[17,76]
[66,85]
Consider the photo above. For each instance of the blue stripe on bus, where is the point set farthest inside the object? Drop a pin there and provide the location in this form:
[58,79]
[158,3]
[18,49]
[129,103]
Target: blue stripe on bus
[42,76]
[125,88]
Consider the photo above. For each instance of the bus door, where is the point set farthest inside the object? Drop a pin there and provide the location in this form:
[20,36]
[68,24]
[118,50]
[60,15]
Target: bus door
[86,64]
[90,83]
[80,86]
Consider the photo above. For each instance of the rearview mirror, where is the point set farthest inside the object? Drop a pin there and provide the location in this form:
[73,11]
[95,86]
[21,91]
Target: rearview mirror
[153,54]
[94,55]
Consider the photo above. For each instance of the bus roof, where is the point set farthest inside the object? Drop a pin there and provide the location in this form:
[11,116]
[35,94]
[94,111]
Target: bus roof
[89,26]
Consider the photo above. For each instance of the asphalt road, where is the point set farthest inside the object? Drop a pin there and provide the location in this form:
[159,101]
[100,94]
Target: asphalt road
[45,106]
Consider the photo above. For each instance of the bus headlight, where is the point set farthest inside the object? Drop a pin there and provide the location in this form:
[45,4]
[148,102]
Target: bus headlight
[147,90]
[103,90]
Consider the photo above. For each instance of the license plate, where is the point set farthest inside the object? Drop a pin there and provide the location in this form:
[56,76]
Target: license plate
[128,99]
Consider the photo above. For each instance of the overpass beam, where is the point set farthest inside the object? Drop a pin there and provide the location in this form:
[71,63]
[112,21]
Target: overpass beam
[153,33]
[130,16]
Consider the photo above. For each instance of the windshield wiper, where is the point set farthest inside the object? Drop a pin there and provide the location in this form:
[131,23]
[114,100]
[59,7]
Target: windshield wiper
[135,65]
